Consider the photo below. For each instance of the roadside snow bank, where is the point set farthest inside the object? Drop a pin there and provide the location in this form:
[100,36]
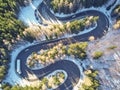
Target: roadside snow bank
[67,35]
[54,73]
[27,14]
[78,63]
[12,77]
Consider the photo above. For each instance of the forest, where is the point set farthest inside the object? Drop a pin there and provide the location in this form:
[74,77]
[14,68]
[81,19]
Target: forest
[11,30]
[71,6]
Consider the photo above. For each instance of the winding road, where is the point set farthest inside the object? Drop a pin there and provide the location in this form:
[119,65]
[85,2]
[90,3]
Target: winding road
[68,66]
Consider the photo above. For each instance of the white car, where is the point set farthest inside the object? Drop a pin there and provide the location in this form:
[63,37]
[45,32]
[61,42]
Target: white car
[18,66]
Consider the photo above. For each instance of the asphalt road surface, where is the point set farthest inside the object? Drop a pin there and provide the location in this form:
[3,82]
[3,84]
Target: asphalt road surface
[71,69]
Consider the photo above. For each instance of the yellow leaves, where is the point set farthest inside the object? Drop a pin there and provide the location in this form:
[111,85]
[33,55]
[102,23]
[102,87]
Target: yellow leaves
[117,25]
[117,9]
[91,38]
[88,72]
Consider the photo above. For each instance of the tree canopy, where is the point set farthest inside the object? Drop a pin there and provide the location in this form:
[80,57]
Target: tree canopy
[11,29]
[70,6]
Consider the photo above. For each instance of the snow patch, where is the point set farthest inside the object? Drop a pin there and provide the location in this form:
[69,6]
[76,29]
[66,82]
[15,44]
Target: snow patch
[67,35]
[12,77]
[78,63]
[54,73]
[27,14]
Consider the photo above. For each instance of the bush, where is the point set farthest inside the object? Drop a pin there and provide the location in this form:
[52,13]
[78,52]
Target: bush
[49,86]
[112,47]
[91,74]
[62,75]
[78,50]
[97,54]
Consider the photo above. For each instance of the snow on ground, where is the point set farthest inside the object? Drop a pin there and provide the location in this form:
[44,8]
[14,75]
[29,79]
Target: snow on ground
[109,3]
[102,9]
[41,37]
[104,63]
[78,11]
[78,63]
[54,73]
[26,14]
[67,35]
[12,77]
[117,2]
[108,64]
[37,65]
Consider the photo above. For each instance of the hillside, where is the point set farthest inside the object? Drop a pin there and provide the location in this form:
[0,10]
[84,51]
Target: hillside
[70,6]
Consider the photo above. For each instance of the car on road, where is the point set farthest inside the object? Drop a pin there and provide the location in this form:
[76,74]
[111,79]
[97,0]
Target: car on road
[18,66]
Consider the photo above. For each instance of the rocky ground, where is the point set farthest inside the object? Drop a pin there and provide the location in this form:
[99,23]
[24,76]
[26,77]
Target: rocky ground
[108,65]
